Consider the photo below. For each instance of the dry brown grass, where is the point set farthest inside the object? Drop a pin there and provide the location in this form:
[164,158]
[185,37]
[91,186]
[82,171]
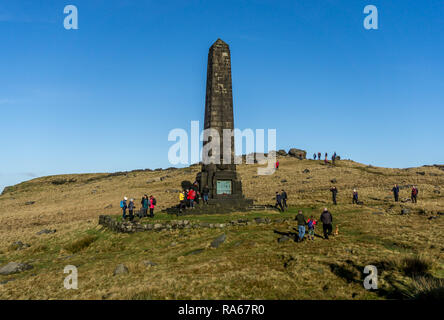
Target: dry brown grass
[251,264]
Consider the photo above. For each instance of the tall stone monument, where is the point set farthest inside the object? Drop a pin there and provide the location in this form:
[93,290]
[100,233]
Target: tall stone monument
[221,178]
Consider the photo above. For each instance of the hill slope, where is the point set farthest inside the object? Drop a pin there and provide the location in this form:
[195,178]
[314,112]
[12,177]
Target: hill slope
[251,264]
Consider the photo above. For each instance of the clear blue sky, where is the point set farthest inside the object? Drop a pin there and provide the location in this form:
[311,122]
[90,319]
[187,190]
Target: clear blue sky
[104,97]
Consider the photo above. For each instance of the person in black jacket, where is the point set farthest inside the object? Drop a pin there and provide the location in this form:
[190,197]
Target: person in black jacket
[284,199]
[279,201]
[205,193]
[355,196]
[327,220]
[395,191]
[334,192]
[131,207]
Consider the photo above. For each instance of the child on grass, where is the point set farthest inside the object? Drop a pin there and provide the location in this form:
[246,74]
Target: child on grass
[311,228]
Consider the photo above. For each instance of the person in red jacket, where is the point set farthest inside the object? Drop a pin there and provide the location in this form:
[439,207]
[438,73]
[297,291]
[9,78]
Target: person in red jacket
[277,164]
[190,198]
[152,204]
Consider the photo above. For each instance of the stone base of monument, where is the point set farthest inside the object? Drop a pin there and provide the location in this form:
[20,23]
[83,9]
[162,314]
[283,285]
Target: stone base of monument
[215,206]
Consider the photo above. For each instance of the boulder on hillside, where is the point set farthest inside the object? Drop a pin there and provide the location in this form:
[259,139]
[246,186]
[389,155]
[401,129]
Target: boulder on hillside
[14,267]
[297,153]
[282,153]
[121,269]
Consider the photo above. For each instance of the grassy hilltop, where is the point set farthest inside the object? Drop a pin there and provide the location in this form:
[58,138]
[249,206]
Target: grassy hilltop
[407,249]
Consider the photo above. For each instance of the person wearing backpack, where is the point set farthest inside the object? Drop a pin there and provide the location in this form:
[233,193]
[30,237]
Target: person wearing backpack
[123,206]
[152,204]
[414,194]
[355,196]
[145,205]
[311,227]
[131,207]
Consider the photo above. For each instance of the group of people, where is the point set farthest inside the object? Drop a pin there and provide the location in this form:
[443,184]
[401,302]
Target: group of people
[327,225]
[395,190]
[147,203]
[413,193]
[281,200]
[333,157]
[191,196]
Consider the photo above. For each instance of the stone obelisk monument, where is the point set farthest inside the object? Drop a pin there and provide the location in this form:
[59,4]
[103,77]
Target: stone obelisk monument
[221,178]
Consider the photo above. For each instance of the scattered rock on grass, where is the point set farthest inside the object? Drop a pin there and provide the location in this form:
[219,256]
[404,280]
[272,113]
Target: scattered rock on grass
[46,231]
[14,267]
[218,241]
[18,245]
[148,263]
[121,269]
[283,239]
[405,211]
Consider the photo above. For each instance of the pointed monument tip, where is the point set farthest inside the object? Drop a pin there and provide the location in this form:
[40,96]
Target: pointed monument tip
[220,41]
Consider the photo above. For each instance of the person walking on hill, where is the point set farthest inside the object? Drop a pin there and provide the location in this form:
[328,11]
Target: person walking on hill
[414,194]
[131,207]
[124,206]
[355,196]
[311,223]
[284,199]
[277,164]
[319,156]
[279,201]
[152,204]
[301,225]
[326,158]
[314,156]
[395,191]
[334,192]
[327,220]
[333,158]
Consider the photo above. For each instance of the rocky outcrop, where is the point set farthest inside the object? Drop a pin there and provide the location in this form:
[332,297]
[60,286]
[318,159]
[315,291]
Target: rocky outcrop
[297,153]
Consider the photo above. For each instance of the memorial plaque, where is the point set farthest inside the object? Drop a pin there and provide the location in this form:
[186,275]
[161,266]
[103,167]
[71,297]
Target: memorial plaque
[223,187]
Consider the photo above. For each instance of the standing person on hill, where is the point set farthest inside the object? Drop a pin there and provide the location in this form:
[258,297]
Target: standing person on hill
[314,156]
[182,203]
[327,220]
[311,223]
[334,192]
[124,206]
[145,206]
[319,156]
[279,201]
[355,196]
[152,204]
[205,194]
[191,196]
[277,164]
[395,191]
[131,207]
[326,158]
[301,225]
[284,199]
[414,194]
[333,158]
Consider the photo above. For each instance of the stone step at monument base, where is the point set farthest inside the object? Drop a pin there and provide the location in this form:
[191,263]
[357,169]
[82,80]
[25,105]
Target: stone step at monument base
[214,206]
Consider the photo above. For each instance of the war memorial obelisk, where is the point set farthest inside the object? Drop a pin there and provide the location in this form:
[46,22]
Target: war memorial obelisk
[221,178]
